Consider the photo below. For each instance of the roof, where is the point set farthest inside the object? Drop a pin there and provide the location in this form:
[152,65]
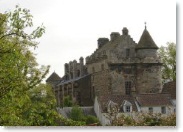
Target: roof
[53,77]
[73,80]
[170,88]
[154,99]
[113,44]
[119,99]
[146,41]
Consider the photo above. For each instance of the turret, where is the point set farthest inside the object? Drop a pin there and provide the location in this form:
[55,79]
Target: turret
[146,46]
[148,69]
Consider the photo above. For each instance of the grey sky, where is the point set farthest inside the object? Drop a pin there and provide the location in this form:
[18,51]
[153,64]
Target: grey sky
[73,26]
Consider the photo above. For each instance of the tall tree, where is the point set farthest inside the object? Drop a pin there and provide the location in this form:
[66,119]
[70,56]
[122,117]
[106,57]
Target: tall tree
[168,56]
[21,94]
[18,67]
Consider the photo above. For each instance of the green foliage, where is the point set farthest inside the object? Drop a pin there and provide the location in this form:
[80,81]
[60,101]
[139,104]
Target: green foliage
[70,122]
[146,119]
[77,114]
[91,119]
[168,56]
[68,101]
[18,66]
[24,101]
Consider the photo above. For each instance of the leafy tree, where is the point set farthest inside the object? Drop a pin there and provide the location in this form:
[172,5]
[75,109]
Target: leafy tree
[168,56]
[18,67]
[42,110]
[24,101]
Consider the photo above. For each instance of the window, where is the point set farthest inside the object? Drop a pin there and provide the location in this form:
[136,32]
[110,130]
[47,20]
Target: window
[163,110]
[71,74]
[127,70]
[150,110]
[128,87]
[127,108]
[102,67]
[93,69]
[78,73]
[127,52]
[104,52]
[93,91]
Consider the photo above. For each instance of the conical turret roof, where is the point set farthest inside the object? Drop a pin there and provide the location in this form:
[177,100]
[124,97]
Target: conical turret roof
[146,41]
[53,77]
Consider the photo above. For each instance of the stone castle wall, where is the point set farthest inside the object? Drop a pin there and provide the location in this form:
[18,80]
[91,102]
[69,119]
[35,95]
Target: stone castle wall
[148,78]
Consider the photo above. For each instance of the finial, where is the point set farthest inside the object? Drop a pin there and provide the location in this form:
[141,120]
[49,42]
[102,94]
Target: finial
[145,24]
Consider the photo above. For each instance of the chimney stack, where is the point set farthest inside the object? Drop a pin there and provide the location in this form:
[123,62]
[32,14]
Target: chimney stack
[114,35]
[102,41]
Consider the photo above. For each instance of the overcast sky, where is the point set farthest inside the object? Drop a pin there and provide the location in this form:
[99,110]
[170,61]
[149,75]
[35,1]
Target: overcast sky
[73,26]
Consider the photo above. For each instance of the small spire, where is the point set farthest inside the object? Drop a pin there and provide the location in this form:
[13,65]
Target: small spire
[145,25]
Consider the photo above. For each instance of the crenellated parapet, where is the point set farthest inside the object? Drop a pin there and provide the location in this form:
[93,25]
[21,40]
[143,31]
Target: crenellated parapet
[74,69]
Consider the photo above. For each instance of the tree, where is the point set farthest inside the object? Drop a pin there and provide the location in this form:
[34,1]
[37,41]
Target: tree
[168,56]
[24,101]
[42,110]
[18,67]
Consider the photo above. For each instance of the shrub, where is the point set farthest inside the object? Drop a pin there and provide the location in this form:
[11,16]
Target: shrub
[77,114]
[68,101]
[146,119]
[91,119]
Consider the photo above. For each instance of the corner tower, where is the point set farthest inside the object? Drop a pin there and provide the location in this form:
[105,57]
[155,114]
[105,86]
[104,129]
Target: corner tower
[148,79]
[146,46]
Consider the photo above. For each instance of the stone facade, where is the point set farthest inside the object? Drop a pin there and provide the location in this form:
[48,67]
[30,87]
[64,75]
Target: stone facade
[119,69]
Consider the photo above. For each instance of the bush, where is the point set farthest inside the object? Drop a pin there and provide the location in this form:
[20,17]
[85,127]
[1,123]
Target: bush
[91,119]
[146,119]
[77,114]
[68,101]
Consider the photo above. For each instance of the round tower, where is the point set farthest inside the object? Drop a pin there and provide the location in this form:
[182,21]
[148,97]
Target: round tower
[149,76]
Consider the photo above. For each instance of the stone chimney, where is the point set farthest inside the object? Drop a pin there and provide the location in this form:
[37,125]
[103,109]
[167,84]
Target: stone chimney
[66,68]
[114,35]
[81,66]
[74,69]
[102,41]
[125,31]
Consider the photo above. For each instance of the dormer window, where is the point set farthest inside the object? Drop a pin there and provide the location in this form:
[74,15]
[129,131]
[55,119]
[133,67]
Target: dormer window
[150,109]
[126,106]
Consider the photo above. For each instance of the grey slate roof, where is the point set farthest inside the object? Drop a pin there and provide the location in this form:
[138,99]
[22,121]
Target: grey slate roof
[53,77]
[103,100]
[170,88]
[146,41]
[154,99]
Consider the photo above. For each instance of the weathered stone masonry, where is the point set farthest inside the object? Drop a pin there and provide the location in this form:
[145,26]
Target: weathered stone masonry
[119,68]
